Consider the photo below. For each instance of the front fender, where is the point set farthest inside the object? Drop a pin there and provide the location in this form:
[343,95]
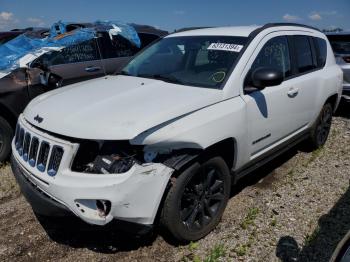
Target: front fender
[200,129]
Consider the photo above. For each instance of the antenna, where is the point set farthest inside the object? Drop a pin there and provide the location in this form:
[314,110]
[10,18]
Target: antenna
[100,53]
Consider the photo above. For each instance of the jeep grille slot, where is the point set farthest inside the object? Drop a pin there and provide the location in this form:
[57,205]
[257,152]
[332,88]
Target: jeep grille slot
[17,134]
[26,143]
[19,145]
[43,156]
[55,160]
[33,151]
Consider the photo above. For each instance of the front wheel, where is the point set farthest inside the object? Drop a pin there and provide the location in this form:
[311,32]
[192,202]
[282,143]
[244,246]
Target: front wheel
[320,130]
[197,199]
[6,135]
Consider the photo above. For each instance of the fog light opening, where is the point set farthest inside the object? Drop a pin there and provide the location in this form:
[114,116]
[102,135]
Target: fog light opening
[103,207]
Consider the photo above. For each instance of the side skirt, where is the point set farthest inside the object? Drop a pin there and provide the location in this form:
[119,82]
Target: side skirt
[268,156]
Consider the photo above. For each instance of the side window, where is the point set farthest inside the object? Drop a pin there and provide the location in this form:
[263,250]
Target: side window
[321,46]
[146,39]
[85,51]
[274,54]
[118,47]
[304,56]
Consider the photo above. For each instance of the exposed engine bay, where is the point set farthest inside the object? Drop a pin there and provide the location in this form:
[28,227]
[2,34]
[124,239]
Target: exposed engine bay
[113,164]
[115,157]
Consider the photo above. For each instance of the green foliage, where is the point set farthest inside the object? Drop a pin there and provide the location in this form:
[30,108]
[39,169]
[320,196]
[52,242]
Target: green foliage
[250,217]
[217,252]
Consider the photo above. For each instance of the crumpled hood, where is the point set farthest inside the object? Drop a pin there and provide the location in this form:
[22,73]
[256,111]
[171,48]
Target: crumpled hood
[115,107]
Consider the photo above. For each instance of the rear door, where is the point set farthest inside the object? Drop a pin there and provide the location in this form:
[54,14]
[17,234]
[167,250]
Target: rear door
[304,84]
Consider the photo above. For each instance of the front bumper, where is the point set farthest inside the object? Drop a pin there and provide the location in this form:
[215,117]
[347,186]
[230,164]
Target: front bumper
[135,195]
[346,82]
[346,91]
[41,203]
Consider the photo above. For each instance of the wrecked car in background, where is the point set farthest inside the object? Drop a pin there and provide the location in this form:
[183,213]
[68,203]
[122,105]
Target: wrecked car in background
[341,46]
[41,60]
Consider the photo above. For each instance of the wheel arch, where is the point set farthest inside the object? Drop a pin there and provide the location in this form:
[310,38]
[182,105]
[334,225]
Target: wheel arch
[333,100]
[225,148]
[8,115]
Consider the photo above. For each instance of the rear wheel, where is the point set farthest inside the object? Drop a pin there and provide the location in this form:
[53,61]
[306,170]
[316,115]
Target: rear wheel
[197,200]
[6,135]
[320,131]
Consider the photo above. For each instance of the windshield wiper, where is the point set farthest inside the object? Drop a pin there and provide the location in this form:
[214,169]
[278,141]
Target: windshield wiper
[165,78]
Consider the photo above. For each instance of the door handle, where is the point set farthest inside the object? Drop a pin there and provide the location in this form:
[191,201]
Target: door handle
[91,69]
[293,92]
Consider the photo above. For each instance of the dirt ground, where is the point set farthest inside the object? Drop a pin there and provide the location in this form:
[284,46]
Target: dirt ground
[296,208]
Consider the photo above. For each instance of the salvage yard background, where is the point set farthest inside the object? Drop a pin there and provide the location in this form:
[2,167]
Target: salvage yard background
[298,207]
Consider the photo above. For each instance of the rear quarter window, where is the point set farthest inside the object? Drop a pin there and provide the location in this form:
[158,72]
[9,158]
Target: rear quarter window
[117,47]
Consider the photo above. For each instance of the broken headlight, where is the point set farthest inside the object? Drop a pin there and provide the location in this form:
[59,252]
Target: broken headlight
[106,157]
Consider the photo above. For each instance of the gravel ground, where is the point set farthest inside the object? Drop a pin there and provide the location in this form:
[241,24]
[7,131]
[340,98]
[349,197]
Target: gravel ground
[297,208]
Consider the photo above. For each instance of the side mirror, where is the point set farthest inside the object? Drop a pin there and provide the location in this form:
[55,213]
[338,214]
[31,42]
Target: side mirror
[263,77]
[51,80]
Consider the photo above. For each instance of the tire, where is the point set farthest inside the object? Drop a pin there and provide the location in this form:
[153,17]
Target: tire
[6,135]
[196,200]
[321,128]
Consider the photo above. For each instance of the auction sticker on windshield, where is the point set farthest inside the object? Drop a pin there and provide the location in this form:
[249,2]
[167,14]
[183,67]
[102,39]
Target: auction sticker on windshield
[225,47]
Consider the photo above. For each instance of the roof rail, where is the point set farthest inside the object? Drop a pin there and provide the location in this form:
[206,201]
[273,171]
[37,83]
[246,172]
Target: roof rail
[289,24]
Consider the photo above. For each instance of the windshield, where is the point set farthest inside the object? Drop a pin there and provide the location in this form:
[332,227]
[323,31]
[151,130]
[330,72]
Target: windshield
[340,43]
[203,61]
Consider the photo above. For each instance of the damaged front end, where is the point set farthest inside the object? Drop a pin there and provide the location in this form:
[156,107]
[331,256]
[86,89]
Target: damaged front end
[98,181]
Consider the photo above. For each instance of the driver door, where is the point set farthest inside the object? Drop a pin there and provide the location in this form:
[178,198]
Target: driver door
[270,112]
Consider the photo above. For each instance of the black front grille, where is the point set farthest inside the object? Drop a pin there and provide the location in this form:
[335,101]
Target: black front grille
[38,153]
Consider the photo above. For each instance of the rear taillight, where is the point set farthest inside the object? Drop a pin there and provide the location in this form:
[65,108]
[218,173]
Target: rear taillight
[346,59]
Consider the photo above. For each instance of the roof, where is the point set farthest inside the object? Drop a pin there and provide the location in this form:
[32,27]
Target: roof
[244,31]
[10,33]
[6,36]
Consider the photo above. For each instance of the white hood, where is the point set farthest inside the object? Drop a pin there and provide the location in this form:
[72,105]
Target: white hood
[116,107]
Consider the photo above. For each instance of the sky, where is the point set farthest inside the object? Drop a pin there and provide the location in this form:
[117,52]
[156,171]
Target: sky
[170,15]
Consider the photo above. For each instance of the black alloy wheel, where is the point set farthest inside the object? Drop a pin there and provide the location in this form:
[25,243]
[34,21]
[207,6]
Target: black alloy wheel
[196,200]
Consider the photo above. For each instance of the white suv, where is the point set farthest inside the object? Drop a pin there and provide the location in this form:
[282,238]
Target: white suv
[183,122]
